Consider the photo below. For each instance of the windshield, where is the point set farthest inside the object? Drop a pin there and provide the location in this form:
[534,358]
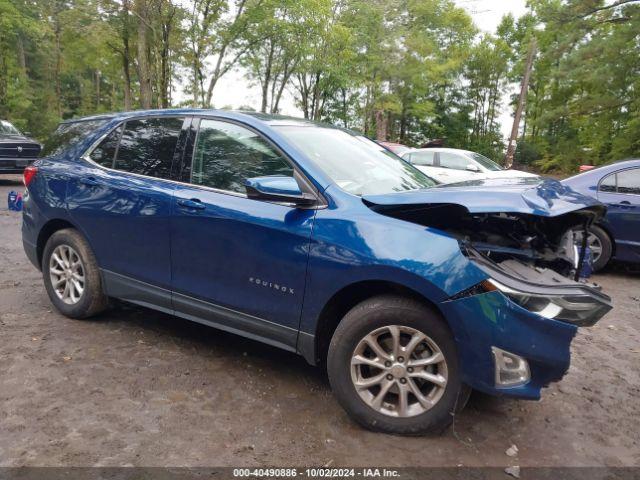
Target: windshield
[7,129]
[485,162]
[355,163]
[68,134]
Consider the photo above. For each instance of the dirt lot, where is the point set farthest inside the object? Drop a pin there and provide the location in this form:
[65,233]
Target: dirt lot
[136,387]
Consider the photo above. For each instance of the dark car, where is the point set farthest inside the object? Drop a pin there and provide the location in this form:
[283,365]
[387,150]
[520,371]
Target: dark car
[617,235]
[16,150]
[315,240]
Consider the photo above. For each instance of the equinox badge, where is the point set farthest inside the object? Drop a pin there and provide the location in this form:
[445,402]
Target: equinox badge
[275,286]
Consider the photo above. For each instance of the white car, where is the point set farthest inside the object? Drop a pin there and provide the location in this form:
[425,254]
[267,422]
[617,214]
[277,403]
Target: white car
[449,165]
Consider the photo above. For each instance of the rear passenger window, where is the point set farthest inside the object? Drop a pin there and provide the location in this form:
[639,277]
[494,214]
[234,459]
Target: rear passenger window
[105,152]
[608,184]
[147,146]
[226,155]
[629,181]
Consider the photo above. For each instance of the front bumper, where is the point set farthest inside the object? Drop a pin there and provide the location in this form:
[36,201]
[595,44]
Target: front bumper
[480,322]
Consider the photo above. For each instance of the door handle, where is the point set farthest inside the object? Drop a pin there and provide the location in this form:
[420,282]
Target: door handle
[192,204]
[90,181]
[625,204]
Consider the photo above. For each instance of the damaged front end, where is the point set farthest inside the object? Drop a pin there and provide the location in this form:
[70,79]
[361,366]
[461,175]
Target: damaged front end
[513,329]
[524,241]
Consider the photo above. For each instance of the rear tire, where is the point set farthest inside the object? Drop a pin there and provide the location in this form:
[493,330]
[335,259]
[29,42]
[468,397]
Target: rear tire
[71,275]
[431,365]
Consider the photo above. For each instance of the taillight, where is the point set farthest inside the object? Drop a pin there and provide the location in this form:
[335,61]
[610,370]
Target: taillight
[29,174]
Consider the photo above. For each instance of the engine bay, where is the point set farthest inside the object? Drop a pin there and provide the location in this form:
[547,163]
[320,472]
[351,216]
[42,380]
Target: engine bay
[537,241]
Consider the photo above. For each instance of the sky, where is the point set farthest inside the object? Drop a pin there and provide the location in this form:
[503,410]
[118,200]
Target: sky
[234,91]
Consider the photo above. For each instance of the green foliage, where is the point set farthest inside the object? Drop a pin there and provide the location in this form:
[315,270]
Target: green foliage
[401,70]
[584,103]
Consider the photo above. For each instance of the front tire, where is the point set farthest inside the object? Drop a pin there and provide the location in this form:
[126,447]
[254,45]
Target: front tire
[600,244]
[71,275]
[393,367]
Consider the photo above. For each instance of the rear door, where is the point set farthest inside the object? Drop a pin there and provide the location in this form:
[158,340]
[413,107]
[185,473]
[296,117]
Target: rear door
[238,263]
[121,199]
[620,191]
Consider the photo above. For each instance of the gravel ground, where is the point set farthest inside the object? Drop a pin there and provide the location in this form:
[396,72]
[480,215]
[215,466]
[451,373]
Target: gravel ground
[136,387]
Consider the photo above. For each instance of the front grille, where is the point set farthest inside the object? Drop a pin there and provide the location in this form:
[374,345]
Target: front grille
[10,150]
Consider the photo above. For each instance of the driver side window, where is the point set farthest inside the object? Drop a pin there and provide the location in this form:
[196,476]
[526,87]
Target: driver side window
[226,154]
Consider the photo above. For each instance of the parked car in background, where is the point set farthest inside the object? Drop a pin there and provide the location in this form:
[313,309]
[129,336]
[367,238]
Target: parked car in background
[312,239]
[450,165]
[396,148]
[16,150]
[617,235]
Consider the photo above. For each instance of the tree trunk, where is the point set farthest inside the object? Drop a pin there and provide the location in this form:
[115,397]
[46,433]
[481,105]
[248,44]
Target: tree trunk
[58,65]
[126,55]
[165,61]
[344,107]
[144,71]
[381,126]
[511,147]
[267,79]
[22,60]
[403,123]
[98,89]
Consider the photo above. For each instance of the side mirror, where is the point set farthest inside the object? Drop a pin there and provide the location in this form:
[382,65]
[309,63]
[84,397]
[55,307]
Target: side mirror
[26,134]
[278,189]
[473,168]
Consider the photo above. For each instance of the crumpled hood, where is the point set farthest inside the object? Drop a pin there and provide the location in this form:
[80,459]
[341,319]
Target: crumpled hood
[529,195]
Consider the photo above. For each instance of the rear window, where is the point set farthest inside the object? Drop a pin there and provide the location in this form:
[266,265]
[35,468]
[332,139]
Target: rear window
[68,134]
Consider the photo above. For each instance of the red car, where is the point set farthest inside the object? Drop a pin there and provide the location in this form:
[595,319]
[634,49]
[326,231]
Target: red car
[396,148]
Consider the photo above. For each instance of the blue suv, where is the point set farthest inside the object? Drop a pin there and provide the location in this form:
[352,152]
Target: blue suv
[317,240]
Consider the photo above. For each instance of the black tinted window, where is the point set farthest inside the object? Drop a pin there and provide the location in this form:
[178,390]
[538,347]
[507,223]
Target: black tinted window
[105,152]
[608,184]
[629,181]
[68,134]
[147,146]
[227,154]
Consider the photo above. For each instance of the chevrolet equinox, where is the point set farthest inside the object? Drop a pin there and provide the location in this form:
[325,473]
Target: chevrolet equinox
[317,240]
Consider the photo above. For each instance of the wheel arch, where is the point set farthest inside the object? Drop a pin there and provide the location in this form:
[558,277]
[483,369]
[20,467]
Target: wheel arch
[612,238]
[48,229]
[344,300]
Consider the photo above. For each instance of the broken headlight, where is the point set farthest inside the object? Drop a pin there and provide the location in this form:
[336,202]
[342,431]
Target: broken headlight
[580,310]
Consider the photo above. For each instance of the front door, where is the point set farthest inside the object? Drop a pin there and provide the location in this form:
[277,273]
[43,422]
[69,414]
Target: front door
[620,192]
[237,263]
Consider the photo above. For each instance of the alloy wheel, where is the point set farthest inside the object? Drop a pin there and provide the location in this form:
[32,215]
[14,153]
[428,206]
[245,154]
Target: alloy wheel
[593,242]
[67,274]
[399,371]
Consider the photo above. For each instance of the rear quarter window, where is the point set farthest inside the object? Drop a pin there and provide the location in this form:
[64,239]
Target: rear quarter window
[68,134]
[608,184]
